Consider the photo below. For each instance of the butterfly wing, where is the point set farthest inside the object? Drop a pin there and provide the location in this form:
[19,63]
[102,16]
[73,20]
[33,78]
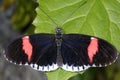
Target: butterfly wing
[80,52]
[38,50]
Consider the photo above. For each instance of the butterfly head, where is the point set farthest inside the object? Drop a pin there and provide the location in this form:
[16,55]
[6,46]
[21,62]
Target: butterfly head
[58,30]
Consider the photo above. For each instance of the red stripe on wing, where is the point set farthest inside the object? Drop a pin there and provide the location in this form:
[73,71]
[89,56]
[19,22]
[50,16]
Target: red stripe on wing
[27,47]
[92,48]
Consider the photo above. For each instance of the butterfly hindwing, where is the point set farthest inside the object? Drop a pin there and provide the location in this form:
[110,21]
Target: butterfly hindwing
[80,52]
[37,50]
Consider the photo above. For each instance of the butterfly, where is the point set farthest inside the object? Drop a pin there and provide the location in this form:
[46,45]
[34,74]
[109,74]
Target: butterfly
[71,52]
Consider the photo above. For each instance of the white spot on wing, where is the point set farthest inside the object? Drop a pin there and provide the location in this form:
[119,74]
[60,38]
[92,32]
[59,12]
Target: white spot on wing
[11,62]
[93,65]
[74,68]
[44,68]
[35,66]
[14,62]
[20,63]
[100,65]
[31,65]
[92,38]
[26,63]
[26,36]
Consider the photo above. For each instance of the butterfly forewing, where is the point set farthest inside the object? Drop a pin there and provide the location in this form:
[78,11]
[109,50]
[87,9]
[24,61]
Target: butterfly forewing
[80,52]
[106,54]
[38,50]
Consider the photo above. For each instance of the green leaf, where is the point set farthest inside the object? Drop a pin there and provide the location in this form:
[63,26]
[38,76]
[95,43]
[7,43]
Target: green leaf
[60,75]
[100,18]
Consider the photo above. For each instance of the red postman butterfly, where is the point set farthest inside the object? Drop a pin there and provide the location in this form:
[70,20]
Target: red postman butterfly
[71,52]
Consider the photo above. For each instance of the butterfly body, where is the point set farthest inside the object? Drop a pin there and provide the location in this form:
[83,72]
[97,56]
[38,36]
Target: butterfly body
[71,52]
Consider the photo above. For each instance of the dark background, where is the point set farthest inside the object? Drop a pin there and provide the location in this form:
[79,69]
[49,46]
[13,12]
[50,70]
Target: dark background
[16,18]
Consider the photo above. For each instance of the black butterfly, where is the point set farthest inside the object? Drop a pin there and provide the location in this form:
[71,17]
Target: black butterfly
[71,52]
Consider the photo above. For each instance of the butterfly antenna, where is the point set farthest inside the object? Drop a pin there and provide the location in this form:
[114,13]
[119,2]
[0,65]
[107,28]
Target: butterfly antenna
[74,11]
[49,17]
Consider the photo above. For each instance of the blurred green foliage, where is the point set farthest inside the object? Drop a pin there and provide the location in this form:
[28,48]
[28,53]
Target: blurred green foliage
[23,14]
[5,4]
